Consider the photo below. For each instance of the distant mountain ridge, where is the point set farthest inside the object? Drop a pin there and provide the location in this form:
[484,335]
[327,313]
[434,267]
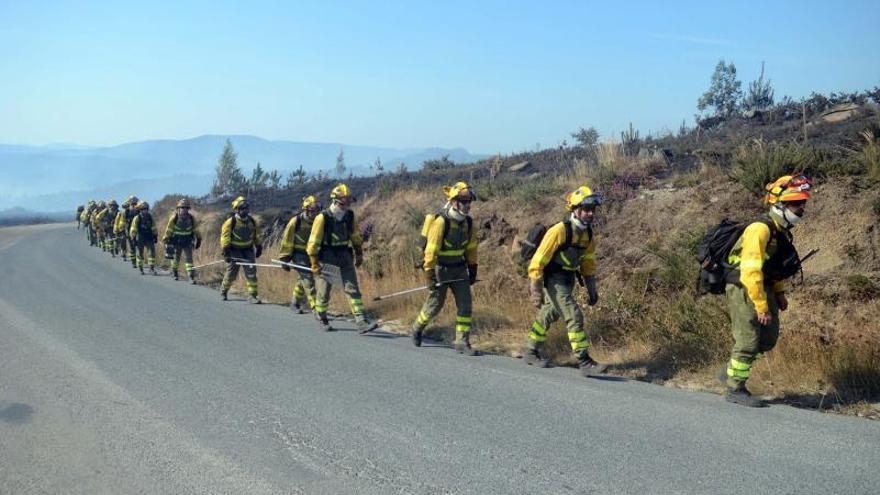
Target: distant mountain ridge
[48,177]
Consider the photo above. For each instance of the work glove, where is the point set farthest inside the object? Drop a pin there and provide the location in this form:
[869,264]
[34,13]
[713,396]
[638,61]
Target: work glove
[431,279]
[536,292]
[259,251]
[198,243]
[592,293]
[316,267]
[285,259]
[227,255]
[472,273]
[358,257]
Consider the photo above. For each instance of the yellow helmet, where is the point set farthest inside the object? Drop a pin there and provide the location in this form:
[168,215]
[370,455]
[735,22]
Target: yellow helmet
[341,192]
[460,190]
[310,203]
[239,202]
[788,188]
[184,203]
[143,205]
[582,196]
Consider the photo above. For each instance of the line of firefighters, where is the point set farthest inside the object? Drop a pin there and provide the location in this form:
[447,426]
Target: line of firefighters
[318,238]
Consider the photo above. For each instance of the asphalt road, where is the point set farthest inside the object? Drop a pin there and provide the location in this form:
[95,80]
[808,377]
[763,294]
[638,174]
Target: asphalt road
[111,382]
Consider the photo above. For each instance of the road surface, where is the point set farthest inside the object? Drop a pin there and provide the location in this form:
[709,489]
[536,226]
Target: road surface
[112,382]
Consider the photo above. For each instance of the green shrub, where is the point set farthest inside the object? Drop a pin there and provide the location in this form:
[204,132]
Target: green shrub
[862,288]
[757,163]
[536,191]
[869,157]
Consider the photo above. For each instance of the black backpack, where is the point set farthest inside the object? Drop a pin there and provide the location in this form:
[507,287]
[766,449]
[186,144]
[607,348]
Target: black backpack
[529,245]
[714,250]
[712,253]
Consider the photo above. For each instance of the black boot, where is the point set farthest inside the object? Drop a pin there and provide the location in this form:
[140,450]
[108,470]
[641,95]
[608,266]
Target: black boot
[296,306]
[364,325]
[463,344]
[223,295]
[416,336]
[325,323]
[534,357]
[174,274]
[253,299]
[589,366]
[741,395]
[192,277]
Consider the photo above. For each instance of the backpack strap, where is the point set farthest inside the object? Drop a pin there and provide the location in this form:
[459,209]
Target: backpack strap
[470,224]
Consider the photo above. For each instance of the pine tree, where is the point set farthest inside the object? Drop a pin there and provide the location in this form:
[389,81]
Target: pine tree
[274,179]
[228,172]
[760,94]
[724,92]
[259,178]
[340,163]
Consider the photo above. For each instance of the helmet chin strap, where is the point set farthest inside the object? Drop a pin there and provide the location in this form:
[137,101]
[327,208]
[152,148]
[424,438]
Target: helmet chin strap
[784,216]
[337,212]
[455,214]
[578,223]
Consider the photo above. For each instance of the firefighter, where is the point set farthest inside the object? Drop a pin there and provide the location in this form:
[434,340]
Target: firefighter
[79,210]
[144,234]
[335,239]
[566,253]
[240,241]
[762,258]
[130,213]
[182,232]
[85,218]
[450,262]
[293,250]
[104,227]
[119,230]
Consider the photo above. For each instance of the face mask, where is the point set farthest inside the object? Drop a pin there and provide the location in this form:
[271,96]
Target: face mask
[784,216]
[338,213]
[455,214]
[242,214]
[577,223]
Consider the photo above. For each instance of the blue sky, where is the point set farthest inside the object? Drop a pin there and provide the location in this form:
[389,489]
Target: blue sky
[491,76]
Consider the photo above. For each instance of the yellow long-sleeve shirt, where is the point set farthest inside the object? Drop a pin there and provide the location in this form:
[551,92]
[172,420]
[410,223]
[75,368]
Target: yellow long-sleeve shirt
[246,233]
[316,237]
[750,253]
[119,223]
[549,249]
[438,246]
[173,228]
[293,241]
[135,225]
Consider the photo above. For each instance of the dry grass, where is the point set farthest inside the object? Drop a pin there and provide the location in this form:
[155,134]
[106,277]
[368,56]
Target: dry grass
[647,324]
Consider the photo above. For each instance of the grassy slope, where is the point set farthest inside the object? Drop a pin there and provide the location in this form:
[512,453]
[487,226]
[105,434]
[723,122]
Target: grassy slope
[647,324]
